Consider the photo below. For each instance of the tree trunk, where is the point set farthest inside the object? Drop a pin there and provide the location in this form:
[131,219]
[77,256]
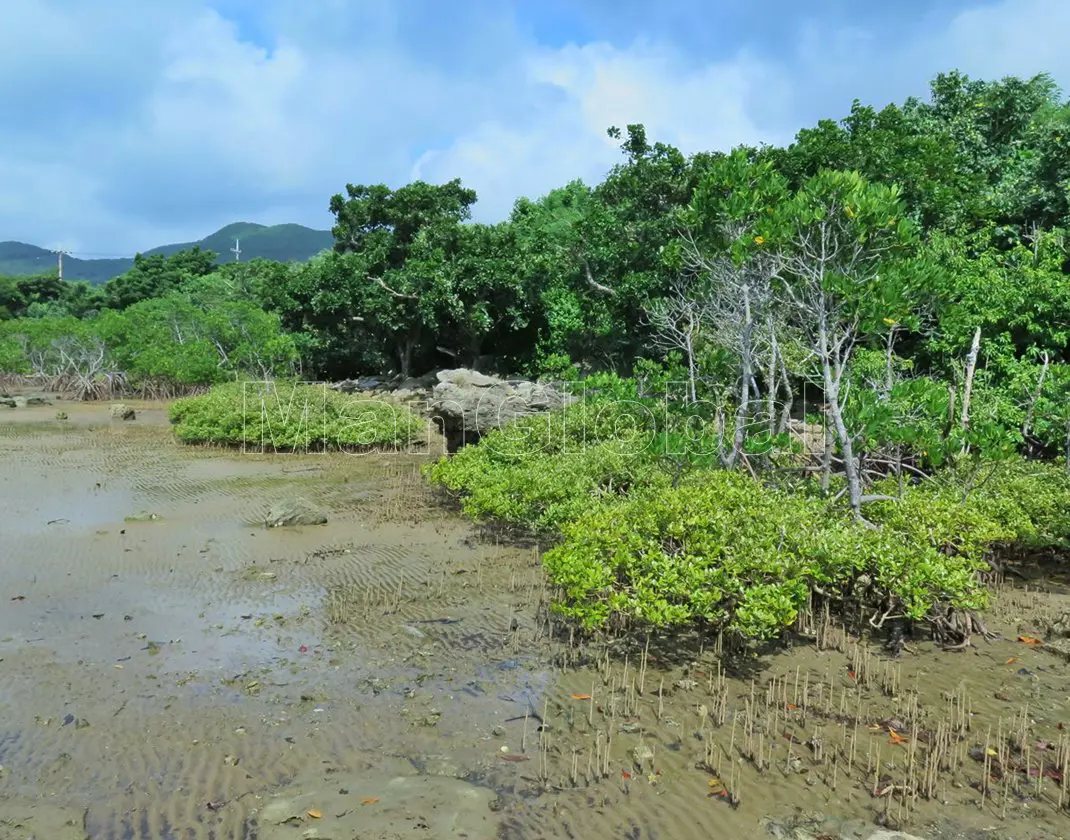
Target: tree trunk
[746,374]
[405,351]
[826,455]
[771,384]
[1035,396]
[789,396]
[832,398]
[692,370]
[971,368]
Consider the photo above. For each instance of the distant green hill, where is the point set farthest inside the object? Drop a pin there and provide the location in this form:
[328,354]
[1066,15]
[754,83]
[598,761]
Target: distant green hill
[285,243]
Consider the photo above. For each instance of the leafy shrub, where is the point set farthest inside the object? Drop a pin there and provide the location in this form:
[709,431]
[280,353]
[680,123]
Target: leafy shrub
[542,471]
[724,550]
[287,416]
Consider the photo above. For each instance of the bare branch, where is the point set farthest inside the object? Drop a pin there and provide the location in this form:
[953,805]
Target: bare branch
[396,294]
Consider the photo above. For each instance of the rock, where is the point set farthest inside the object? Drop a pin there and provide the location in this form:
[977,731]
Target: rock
[466,404]
[353,386]
[122,411]
[641,755]
[37,399]
[294,512]
[1060,647]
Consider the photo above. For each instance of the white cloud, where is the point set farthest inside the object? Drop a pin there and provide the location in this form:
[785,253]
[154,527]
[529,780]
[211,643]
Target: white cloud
[1012,38]
[597,86]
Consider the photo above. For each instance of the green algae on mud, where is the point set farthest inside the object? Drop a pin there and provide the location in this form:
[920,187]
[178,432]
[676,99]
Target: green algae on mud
[218,663]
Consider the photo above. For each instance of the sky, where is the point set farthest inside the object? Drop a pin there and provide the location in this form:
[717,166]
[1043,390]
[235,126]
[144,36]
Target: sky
[129,124]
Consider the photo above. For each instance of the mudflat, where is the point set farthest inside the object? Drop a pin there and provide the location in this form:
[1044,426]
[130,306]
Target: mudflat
[172,667]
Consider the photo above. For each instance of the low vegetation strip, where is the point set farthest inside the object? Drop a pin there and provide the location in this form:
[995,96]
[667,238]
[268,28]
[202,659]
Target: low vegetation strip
[284,416]
[640,540]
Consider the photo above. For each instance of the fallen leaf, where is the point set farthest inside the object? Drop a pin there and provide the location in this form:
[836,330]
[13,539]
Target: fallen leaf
[791,707]
[303,649]
[312,812]
[716,783]
[1032,641]
[1011,661]
[851,674]
[581,696]
[896,738]
[19,598]
[369,800]
[624,774]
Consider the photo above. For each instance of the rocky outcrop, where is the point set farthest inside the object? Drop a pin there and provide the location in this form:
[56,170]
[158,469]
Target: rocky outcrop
[466,404]
[406,390]
[122,411]
[18,401]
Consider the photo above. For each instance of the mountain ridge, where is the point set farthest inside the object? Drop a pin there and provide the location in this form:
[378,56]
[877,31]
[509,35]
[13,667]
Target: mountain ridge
[284,243]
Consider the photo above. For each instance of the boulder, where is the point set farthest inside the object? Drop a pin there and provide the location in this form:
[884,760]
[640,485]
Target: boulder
[23,402]
[353,386]
[466,404]
[122,411]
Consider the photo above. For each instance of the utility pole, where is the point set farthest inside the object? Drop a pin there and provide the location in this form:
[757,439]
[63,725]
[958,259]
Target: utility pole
[236,250]
[59,252]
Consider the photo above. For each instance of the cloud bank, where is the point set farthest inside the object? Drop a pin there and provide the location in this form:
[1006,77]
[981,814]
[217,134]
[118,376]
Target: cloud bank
[130,124]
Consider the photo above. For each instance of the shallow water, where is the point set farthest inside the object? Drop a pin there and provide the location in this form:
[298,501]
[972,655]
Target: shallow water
[193,675]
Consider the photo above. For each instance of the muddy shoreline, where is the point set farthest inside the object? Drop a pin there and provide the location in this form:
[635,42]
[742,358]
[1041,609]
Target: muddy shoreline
[171,671]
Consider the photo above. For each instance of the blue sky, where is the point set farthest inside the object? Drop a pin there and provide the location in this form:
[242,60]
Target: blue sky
[129,124]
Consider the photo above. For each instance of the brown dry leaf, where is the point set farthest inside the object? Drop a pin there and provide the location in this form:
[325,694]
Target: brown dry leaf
[369,800]
[581,696]
[1032,641]
[1011,661]
[312,812]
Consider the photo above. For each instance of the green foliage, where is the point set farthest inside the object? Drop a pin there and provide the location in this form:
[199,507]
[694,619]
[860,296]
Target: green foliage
[172,339]
[724,550]
[286,416]
[542,471]
[18,295]
[157,275]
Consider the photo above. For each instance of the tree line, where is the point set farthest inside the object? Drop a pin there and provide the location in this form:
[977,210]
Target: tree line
[913,255]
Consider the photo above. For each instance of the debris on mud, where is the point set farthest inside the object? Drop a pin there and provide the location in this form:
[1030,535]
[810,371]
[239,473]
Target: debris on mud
[294,513]
[142,516]
[339,806]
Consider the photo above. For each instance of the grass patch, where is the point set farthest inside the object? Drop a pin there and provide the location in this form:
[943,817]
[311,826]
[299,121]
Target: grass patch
[288,417]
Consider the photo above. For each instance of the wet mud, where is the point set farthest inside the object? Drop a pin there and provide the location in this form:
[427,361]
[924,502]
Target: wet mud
[172,668]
